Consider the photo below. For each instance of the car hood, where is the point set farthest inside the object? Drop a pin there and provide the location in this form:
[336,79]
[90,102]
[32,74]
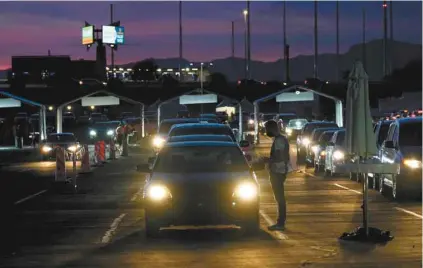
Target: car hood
[200,177]
[412,152]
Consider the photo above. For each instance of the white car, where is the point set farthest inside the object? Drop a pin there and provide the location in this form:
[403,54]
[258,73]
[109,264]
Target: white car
[335,153]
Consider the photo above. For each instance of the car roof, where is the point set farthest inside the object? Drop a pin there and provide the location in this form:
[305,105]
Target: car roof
[173,120]
[287,114]
[319,122]
[199,136]
[61,134]
[108,122]
[409,120]
[197,125]
[201,144]
[324,128]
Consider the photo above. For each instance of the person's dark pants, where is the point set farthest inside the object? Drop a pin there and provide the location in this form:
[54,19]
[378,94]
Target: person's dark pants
[278,180]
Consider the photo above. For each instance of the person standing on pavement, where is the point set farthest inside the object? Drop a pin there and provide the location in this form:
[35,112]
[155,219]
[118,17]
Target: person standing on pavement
[278,168]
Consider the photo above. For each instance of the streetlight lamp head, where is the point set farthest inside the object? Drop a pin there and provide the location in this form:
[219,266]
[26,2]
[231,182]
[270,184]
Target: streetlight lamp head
[245,12]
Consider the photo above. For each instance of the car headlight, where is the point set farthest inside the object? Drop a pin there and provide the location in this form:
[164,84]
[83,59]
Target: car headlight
[93,133]
[246,191]
[338,155]
[110,133]
[158,192]
[261,124]
[315,148]
[73,148]
[46,149]
[305,141]
[288,131]
[158,141]
[251,121]
[323,153]
[413,163]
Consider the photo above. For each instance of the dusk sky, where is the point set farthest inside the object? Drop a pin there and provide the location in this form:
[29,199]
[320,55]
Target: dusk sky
[151,28]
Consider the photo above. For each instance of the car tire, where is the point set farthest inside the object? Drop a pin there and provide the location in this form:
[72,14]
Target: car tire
[152,227]
[397,192]
[250,226]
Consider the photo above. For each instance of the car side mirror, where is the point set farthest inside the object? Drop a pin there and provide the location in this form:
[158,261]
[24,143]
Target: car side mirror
[389,144]
[151,160]
[144,168]
[257,166]
[244,143]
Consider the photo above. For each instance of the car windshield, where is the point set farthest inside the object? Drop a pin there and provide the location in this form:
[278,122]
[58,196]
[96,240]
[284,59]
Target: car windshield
[325,137]
[317,133]
[61,138]
[383,132]
[200,138]
[200,159]
[340,139]
[410,134]
[308,129]
[107,124]
[202,130]
[297,123]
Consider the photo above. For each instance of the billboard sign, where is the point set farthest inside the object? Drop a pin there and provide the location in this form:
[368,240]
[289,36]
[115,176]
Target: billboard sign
[198,99]
[293,97]
[113,35]
[9,103]
[88,35]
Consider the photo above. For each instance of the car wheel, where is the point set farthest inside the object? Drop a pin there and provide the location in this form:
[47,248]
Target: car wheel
[250,226]
[152,227]
[397,192]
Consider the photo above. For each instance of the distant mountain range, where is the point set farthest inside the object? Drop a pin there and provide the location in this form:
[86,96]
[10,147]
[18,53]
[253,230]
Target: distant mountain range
[301,67]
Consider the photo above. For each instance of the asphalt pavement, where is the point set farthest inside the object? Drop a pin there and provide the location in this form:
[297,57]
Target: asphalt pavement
[103,226]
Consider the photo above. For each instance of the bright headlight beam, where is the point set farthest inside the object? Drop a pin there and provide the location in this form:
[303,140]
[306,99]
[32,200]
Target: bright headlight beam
[413,163]
[158,141]
[251,121]
[306,141]
[93,133]
[314,148]
[157,192]
[46,149]
[338,155]
[110,133]
[246,191]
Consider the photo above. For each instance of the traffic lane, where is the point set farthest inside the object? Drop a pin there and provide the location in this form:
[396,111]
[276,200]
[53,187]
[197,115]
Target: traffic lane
[334,207]
[56,227]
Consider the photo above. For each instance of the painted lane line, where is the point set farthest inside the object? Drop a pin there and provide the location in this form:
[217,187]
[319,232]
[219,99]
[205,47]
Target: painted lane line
[278,234]
[108,235]
[409,212]
[348,189]
[29,197]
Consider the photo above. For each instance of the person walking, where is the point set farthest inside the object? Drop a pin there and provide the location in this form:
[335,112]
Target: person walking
[278,163]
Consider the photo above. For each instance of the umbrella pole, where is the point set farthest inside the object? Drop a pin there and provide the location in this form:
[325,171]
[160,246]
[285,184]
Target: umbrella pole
[365,205]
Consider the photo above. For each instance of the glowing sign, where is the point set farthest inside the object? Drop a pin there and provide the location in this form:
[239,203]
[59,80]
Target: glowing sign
[198,99]
[88,35]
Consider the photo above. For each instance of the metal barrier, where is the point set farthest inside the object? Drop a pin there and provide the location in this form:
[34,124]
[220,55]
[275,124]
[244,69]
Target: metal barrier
[85,160]
[60,172]
[112,150]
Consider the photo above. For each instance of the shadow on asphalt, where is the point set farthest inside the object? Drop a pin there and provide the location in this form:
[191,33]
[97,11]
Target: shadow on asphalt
[170,240]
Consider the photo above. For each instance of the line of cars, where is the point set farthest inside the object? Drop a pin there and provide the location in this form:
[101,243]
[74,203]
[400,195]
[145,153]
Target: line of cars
[199,176]
[322,145]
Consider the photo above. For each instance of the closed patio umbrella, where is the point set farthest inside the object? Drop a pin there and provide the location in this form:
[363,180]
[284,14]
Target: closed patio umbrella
[361,142]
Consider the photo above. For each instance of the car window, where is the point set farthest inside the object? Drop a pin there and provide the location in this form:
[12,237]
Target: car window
[200,159]
[325,137]
[202,130]
[410,134]
[310,127]
[383,133]
[340,138]
[61,138]
[297,123]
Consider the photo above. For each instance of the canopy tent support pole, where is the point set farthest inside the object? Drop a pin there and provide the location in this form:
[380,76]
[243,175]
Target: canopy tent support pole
[240,123]
[339,113]
[142,121]
[158,116]
[41,137]
[59,120]
[256,124]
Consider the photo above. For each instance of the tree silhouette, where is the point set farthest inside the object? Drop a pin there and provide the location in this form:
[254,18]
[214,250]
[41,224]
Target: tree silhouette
[145,70]
[218,80]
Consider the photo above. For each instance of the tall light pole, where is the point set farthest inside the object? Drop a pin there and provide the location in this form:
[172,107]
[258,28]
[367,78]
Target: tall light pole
[385,38]
[315,73]
[337,42]
[249,38]
[245,13]
[111,49]
[285,56]
[233,40]
[180,39]
[364,56]
[391,36]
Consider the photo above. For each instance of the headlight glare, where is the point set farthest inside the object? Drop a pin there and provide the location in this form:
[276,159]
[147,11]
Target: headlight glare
[46,149]
[158,141]
[323,153]
[93,133]
[158,192]
[251,121]
[413,163]
[288,131]
[246,191]
[110,133]
[73,148]
[305,141]
[338,155]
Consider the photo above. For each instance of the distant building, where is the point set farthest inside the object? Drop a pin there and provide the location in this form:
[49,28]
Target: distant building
[187,74]
[83,69]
